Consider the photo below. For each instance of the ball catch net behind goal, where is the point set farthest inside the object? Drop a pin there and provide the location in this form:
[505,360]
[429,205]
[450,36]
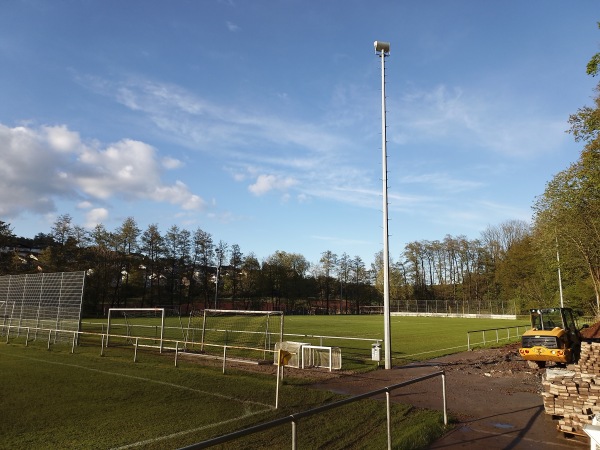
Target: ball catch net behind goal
[247,334]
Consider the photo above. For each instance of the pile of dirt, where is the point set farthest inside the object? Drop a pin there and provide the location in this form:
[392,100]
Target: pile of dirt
[504,361]
[481,365]
[592,332]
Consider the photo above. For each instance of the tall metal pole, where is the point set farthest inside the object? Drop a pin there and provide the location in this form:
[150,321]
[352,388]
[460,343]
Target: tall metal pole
[383,49]
[559,277]
[217,285]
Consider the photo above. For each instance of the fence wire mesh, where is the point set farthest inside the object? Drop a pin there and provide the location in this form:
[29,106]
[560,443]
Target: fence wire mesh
[42,302]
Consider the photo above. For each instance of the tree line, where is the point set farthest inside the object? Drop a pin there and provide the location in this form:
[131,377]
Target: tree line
[501,272]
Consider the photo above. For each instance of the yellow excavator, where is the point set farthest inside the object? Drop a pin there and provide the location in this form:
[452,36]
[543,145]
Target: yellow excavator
[553,337]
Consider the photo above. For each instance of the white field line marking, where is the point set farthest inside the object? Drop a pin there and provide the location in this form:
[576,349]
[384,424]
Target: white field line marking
[192,430]
[133,377]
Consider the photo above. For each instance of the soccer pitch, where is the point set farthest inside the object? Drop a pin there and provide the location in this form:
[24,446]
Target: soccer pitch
[412,338]
[56,399]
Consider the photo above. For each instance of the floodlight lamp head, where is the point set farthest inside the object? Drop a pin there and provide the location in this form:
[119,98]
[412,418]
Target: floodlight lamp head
[381,46]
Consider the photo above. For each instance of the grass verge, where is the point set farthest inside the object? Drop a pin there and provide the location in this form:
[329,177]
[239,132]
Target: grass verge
[55,399]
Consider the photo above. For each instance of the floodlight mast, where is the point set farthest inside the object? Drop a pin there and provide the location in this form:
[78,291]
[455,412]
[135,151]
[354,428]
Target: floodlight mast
[383,49]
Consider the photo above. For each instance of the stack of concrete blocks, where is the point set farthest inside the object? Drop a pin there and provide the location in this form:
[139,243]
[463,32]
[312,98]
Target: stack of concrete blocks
[573,395]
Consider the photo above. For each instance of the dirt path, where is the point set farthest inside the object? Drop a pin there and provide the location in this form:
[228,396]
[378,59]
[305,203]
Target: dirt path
[492,393]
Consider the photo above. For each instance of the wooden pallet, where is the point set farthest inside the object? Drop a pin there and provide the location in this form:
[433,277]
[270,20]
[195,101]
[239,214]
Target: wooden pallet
[575,436]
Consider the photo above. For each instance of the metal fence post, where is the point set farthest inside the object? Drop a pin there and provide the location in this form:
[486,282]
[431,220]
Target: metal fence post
[444,398]
[294,435]
[388,419]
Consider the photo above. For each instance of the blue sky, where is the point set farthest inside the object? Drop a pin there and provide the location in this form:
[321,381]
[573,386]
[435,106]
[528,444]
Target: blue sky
[260,121]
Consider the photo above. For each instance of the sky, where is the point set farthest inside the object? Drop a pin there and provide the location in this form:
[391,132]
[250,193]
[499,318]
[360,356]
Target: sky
[259,121]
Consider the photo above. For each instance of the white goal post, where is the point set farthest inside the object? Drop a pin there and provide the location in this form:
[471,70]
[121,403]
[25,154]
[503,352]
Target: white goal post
[130,328]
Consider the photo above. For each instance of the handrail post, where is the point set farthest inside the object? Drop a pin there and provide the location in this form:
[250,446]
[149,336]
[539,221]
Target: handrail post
[278,379]
[444,397]
[388,419]
[294,435]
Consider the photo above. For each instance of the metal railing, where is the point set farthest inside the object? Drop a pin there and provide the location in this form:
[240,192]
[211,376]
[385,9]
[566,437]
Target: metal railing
[496,334]
[293,419]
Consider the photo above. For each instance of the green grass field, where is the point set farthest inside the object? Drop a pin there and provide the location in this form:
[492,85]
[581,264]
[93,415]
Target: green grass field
[413,338]
[56,399]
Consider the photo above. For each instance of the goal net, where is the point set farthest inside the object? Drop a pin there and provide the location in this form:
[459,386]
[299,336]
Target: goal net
[246,334]
[371,309]
[294,349]
[319,356]
[150,327]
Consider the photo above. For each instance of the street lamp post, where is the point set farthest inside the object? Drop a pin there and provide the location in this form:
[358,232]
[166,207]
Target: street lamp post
[382,49]
[217,285]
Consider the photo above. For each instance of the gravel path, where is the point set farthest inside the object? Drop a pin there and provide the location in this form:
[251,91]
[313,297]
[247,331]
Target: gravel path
[492,394]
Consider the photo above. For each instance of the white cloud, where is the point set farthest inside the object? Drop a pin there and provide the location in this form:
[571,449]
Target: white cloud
[442,181]
[466,118]
[232,26]
[61,139]
[128,168]
[198,123]
[314,153]
[171,163]
[43,166]
[95,217]
[266,183]
[29,180]
[178,194]
[85,205]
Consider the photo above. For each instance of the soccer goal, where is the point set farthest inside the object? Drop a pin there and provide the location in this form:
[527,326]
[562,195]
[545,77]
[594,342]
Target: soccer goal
[371,309]
[320,356]
[295,351]
[245,334]
[128,325]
